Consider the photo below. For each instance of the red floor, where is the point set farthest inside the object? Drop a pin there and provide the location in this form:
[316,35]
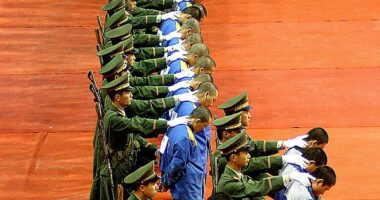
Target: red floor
[304,64]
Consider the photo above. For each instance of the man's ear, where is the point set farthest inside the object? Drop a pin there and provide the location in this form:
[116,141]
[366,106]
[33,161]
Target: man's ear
[196,56]
[311,162]
[141,187]
[117,97]
[313,143]
[188,32]
[319,181]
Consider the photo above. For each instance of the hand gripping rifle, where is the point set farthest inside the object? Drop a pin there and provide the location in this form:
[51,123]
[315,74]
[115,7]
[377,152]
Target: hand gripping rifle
[214,169]
[100,113]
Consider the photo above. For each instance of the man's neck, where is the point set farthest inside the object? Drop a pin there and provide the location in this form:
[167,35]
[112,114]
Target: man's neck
[140,195]
[234,167]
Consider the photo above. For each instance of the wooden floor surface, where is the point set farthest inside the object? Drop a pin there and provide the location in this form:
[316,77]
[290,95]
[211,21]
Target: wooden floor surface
[304,64]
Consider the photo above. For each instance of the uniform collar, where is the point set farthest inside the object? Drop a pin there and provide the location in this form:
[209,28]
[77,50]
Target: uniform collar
[238,174]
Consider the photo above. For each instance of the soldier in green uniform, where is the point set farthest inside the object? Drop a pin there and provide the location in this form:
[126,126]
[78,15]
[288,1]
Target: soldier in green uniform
[231,125]
[116,68]
[240,186]
[261,148]
[119,132]
[144,181]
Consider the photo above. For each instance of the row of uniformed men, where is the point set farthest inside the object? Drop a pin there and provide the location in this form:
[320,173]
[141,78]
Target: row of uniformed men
[126,37]
[185,146]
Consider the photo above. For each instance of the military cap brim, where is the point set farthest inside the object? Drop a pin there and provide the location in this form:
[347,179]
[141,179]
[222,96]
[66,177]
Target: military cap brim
[114,5]
[116,19]
[116,65]
[124,30]
[236,104]
[114,49]
[228,122]
[142,174]
[118,84]
[234,144]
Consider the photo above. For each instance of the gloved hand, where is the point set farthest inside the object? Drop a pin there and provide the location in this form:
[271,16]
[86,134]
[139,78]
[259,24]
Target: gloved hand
[178,121]
[295,159]
[178,1]
[171,15]
[186,73]
[175,34]
[176,47]
[187,97]
[303,178]
[182,84]
[175,56]
[297,141]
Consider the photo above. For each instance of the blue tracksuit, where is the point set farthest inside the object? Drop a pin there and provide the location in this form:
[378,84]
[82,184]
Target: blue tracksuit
[177,66]
[181,166]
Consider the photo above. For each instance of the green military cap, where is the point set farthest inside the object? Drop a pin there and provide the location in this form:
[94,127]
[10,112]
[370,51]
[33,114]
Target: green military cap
[142,175]
[238,142]
[116,19]
[116,65]
[114,5]
[118,84]
[236,104]
[112,50]
[122,32]
[228,122]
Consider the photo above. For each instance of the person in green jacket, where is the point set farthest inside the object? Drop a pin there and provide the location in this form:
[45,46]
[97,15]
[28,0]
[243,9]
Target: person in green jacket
[152,108]
[144,181]
[240,103]
[228,127]
[120,131]
[239,186]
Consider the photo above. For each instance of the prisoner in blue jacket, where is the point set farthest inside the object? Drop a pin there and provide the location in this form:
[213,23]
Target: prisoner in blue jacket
[180,165]
[325,180]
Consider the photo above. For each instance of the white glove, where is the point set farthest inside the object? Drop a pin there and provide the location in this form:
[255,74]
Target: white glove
[295,159]
[175,56]
[176,47]
[187,73]
[303,178]
[175,34]
[297,141]
[178,1]
[187,97]
[178,121]
[171,15]
[182,84]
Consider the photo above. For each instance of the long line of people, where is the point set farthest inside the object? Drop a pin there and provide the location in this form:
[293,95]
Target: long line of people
[157,79]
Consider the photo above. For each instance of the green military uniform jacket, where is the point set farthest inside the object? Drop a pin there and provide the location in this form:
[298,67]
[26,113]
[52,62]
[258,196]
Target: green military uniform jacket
[254,169]
[133,197]
[145,108]
[144,11]
[145,40]
[149,52]
[147,67]
[143,21]
[240,186]
[150,92]
[123,143]
[155,80]
[155,4]
[262,148]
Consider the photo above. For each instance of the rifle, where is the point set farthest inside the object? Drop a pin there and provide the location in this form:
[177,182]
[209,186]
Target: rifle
[100,113]
[97,35]
[99,48]
[100,29]
[214,169]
